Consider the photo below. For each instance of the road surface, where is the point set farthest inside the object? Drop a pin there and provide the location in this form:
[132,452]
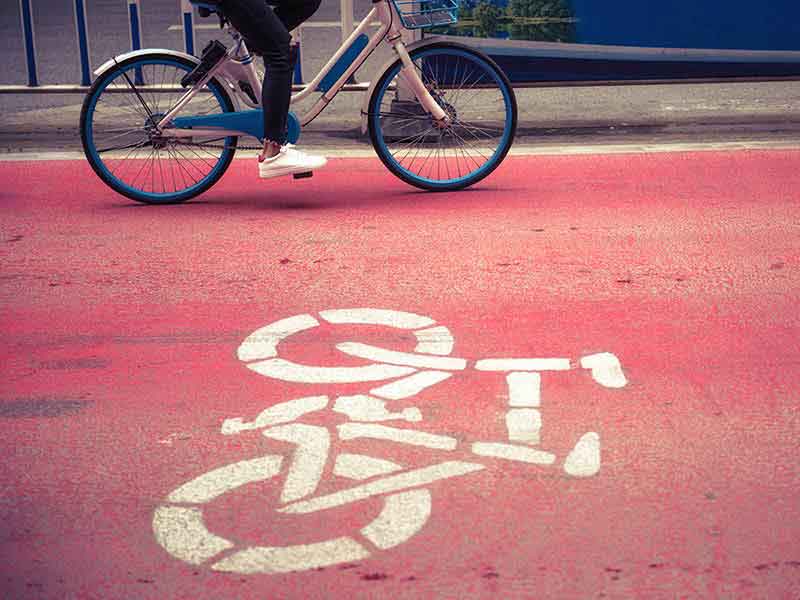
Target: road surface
[157,447]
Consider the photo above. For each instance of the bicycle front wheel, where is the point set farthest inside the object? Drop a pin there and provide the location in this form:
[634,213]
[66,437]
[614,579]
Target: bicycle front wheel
[123,144]
[475,94]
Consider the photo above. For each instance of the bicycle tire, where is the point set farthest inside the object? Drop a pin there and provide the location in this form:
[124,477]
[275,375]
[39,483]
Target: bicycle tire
[377,117]
[135,110]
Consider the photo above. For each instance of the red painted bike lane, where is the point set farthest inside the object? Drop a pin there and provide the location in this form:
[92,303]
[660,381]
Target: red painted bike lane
[133,334]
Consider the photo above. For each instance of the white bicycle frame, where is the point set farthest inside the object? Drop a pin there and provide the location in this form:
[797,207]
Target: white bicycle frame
[239,66]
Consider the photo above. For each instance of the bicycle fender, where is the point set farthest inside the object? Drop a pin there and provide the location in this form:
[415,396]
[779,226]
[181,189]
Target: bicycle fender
[381,71]
[143,52]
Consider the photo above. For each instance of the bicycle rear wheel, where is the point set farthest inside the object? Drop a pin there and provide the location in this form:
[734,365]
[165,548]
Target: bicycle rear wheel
[121,142]
[479,100]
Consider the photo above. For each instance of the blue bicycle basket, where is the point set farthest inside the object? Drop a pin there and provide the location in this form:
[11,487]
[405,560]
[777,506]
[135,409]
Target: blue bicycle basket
[417,14]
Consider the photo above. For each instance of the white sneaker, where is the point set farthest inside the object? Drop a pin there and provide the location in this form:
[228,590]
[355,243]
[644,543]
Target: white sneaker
[289,161]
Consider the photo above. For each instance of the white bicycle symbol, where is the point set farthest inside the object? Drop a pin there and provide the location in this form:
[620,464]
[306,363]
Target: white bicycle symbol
[406,498]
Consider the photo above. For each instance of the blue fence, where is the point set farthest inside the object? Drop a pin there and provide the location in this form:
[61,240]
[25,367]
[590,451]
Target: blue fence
[134,14]
[548,42]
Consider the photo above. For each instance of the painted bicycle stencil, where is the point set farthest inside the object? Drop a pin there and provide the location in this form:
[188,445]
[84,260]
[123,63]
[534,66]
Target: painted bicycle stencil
[403,494]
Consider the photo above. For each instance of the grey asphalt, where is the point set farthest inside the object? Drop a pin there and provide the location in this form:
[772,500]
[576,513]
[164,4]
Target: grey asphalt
[696,112]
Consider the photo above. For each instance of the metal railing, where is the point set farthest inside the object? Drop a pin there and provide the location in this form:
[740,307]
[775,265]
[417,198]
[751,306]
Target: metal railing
[187,25]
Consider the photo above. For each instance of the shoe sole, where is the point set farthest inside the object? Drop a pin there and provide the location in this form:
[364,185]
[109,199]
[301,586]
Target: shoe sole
[287,171]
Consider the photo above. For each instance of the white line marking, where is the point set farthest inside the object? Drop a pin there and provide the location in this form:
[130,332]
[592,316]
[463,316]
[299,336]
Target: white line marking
[366,408]
[381,355]
[265,559]
[278,368]
[182,533]
[606,369]
[285,412]
[263,342]
[350,431]
[365,151]
[403,515]
[584,460]
[524,425]
[434,340]
[524,389]
[375,316]
[392,483]
[411,385]
[308,461]
[358,466]
[523,364]
[210,485]
[509,452]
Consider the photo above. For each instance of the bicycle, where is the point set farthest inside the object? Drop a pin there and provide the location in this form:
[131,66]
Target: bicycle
[441,116]
[403,493]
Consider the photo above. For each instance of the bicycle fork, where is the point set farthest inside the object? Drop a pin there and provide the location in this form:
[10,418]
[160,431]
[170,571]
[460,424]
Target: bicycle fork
[410,76]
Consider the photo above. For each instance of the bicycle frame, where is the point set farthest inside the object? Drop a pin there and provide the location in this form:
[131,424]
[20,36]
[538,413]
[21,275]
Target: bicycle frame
[238,66]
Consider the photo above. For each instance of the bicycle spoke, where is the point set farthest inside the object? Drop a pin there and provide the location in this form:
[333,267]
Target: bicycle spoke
[473,97]
[129,149]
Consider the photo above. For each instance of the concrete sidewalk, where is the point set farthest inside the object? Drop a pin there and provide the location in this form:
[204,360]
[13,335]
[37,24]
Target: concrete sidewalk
[677,113]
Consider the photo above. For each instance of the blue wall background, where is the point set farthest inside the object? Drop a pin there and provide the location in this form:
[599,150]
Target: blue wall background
[723,24]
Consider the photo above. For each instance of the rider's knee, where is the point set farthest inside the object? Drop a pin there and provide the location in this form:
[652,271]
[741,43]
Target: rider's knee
[277,55]
[309,7]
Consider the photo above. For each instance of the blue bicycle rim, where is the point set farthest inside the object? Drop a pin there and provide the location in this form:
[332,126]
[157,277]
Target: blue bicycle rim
[498,153]
[152,197]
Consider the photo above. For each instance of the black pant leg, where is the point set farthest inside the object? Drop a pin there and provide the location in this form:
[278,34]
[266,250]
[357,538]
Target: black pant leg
[267,34]
[295,12]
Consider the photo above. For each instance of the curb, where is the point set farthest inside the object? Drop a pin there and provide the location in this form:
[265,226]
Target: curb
[517,150]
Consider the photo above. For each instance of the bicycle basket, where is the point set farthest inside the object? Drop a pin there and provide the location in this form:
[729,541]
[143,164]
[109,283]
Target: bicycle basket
[417,14]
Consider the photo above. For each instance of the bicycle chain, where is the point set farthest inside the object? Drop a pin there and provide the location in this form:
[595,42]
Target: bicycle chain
[222,146]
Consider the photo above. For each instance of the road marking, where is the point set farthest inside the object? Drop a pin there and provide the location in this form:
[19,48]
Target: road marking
[510,452]
[523,364]
[309,458]
[278,368]
[524,389]
[263,343]
[366,408]
[210,485]
[435,340]
[276,414]
[523,425]
[411,385]
[375,316]
[351,431]
[365,151]
[584,460]
[382,355]
[606,369]
[360,466]
[182,533]
[269,559]
[402,517]
[393,483]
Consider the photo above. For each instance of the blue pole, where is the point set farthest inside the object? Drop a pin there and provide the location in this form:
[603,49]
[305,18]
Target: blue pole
[30,41]
[298,70]
[135,24]
[188,26]
[83,41]
[136,34]
[297,35]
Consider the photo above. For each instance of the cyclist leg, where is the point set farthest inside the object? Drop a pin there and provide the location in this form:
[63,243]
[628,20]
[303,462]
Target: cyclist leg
[267,35]
[295,12]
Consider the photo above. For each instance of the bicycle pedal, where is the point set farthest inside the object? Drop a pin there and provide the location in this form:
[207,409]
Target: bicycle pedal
[303,175]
